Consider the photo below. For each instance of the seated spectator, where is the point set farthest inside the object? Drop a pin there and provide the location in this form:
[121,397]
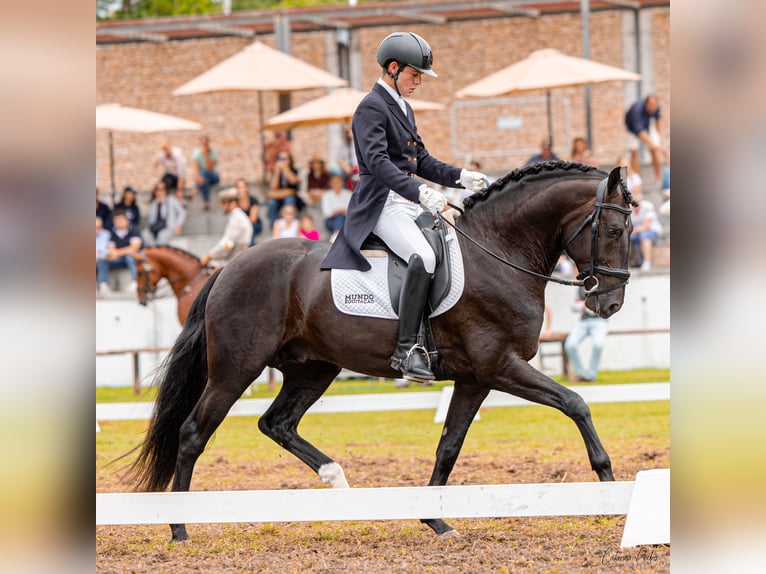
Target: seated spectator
[103,211]
[165,217]
[238,233]
[545,154]
[129,205]
[345,157]
[124,241]
[317,180]
[283,187]
[665,191]
[279,143]
[308,229]
[173,164]
[102,240]
[581,152]
[287,226]
[335,203]
[205,164]
[646,231]
[251,206]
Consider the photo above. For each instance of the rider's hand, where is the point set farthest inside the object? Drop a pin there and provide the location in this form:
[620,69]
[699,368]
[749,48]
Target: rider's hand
[431,199]
[473,180]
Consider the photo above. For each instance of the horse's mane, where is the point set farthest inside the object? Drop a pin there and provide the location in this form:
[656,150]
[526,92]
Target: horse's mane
[176,249]
[547,168]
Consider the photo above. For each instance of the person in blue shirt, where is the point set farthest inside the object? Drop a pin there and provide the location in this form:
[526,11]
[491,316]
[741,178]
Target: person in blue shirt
[124,242]
[546,154]
[638,121]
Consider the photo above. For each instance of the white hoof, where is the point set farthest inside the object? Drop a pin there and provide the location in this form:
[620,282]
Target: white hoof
[332,474]
[450,534]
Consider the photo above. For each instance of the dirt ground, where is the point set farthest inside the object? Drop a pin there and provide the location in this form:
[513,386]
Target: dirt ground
[561,544]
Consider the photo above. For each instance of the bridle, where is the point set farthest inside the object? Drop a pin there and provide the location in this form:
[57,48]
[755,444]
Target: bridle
[587,275]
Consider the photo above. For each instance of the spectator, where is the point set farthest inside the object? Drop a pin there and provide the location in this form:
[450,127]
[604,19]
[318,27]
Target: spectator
[345,157]
[251,206]
[205,169]
[129,206]
[165,217]
[273,148]
[638,121]
[102,239]
[545,154]
[589,325]
[173,164]
[646,230]
[318,179]
[335,202]
[124,241]
[287,226]
[237,235]
[308,229]
[665,191]
[581,152]
[103,211]
[283,187]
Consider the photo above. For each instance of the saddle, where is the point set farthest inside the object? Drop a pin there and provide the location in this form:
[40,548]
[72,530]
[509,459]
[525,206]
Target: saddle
[434,231]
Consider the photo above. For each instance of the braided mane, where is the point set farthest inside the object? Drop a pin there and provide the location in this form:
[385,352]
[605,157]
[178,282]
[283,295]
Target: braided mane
[546,168]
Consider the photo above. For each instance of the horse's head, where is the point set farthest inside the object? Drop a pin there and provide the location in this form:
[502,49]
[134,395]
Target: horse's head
[146,278]
[600,245]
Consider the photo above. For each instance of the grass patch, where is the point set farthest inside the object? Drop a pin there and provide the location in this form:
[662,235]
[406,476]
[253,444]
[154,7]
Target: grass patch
[363,386]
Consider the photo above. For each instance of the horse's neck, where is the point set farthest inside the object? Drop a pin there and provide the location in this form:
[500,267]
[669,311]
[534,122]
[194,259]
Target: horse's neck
[178,270]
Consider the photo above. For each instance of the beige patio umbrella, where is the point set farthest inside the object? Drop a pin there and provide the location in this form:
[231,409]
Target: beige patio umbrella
[262,69]
[544,70]
[117,118]
[338,106]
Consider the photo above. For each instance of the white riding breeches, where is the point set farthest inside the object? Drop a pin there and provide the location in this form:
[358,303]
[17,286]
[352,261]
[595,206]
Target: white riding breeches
[397,228]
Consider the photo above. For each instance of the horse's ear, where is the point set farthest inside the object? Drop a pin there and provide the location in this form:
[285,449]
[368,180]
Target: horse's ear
[617,174]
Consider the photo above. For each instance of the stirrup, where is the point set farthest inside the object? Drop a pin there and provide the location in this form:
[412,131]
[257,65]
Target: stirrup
[402,364]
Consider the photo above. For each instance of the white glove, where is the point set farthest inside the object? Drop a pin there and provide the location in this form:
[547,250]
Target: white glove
[473,180]
[431,199]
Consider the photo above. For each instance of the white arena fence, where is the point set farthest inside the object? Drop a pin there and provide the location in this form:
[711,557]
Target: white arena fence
[428,400]
[645,501]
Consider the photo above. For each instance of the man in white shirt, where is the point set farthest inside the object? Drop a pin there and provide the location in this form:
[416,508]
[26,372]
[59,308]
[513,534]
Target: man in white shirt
[335,202]
[237,235]
[173,163]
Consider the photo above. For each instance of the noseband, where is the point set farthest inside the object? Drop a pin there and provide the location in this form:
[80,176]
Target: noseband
[586,275]
[144,269]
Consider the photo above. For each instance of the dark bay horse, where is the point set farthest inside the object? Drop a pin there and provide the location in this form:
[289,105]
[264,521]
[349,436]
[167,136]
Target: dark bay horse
[273,306]
[183,271]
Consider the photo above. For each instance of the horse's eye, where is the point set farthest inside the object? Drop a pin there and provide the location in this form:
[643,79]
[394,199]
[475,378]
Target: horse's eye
[613,232]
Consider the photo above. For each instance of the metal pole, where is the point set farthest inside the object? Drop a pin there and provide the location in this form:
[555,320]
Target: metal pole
[264,180]
[585,17]
[550,121]
[111,166]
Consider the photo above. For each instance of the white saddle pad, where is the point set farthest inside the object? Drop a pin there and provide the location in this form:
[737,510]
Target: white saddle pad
[365,293]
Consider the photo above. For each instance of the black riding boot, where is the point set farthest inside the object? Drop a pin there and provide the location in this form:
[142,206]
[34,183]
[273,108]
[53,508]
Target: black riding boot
[410,358]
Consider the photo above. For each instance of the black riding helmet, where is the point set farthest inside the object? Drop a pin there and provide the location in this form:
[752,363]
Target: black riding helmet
[409,50]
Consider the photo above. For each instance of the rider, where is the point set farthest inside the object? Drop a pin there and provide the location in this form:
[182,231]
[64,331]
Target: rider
[385,201]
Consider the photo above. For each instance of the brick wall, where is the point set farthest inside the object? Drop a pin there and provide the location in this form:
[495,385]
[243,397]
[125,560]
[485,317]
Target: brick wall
[145,74]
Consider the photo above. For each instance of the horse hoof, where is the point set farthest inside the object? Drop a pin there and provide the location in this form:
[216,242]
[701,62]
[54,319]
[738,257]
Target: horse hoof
[449,534]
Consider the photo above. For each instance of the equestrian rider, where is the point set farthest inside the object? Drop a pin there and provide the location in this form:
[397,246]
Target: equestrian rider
[388,198]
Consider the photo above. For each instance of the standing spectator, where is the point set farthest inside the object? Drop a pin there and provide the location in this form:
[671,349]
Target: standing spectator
[638,121]
[103,211]
[335,203]
[125,240]
[205,169]
[545,154]
[646,230]
[287,225]
[128,204]
[308,229]
[251,206]
[165,217]
[589,325]
[345,157]
[273,148]
[581,152]
[237,235]
[283,187]
[173,163]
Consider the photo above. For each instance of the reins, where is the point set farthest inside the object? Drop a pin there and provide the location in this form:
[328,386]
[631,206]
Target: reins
[584,276]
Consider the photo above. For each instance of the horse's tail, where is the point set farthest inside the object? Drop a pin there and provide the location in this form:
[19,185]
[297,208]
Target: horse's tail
[181,379]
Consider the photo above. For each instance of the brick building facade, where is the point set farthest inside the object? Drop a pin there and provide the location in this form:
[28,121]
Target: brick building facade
[144,74]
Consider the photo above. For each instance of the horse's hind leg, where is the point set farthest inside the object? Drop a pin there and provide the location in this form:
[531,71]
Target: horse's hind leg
[302,387]
[528,383]
[466,400]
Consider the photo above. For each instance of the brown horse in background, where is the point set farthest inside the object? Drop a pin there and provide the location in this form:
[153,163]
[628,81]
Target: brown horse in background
[272,306]
[182,270]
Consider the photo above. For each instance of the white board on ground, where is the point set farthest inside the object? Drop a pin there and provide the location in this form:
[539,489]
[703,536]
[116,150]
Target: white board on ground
[648,520]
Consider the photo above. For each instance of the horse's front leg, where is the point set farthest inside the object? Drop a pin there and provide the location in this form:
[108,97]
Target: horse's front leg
[466,400]
[523,380]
